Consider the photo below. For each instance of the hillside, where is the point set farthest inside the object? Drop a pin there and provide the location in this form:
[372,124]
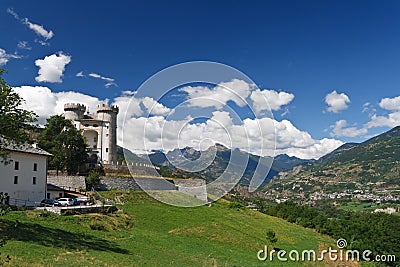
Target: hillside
[372,166]
[150,233]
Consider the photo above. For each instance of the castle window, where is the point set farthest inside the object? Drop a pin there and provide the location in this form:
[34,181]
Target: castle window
[95,125]
[106,149]
[16,165]
[15,179]
[86,125]
[106,135]
[35,167]
[34,180]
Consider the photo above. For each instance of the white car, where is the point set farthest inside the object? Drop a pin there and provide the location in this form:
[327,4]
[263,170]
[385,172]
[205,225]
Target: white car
[64,201]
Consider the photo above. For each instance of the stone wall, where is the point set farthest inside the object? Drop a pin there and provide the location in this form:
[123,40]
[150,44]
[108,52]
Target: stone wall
[67,182]
[119,183]
[194,187]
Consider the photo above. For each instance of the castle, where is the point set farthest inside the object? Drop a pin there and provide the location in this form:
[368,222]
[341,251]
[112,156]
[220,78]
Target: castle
[100,130]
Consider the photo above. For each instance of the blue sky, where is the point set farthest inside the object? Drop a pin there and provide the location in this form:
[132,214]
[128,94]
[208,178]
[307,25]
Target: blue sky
[307,49]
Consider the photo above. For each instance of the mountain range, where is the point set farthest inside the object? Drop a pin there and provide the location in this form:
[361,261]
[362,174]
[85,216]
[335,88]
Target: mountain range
[370,165]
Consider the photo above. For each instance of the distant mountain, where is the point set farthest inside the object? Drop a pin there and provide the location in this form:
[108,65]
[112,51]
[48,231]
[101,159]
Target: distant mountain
[371,165]
[215,161]
[284,162]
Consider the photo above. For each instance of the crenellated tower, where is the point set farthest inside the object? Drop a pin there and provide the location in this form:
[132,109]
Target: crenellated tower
[109,114]
[74,112]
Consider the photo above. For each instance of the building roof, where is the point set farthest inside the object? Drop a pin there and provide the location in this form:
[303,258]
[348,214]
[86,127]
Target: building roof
[24,148]
[53,187]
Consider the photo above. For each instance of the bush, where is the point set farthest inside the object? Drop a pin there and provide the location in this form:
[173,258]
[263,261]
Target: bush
[235,205]
[93,180]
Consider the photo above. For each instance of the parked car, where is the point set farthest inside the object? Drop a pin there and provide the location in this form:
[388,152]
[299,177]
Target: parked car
[79,201]
[65,201]
[49,203]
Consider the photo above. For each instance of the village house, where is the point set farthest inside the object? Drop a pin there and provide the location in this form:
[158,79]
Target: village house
[24,175]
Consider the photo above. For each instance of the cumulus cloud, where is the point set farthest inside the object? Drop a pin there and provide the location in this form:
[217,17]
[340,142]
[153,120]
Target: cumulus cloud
[275,99]
[336,102]
[52,67]
[203,96]
[36,28]
[145,134]
[341,129]
[391,120]
[392,104]
[140,132]
[4,57]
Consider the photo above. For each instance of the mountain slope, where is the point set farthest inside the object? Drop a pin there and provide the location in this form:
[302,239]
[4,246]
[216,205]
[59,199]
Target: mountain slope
[372,165]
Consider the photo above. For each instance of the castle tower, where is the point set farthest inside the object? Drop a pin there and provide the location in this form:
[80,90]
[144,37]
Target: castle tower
[74,112]
[109,114]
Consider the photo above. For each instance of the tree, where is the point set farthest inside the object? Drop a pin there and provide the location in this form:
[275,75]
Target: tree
[93,179]
[65,142]
[271,237]
[15,122]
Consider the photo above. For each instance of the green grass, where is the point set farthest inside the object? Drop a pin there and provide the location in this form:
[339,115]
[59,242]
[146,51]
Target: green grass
[150,233]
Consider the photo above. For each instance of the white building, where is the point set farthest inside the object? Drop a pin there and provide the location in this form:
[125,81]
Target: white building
[24,178]
[100,130]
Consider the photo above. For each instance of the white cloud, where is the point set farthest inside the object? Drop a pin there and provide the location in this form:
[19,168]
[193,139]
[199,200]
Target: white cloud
[80,74]
[155,132]
[202,96]
[391,120]
[145,134]
[155,108]
[340,129]
[110,81]
[336,102]
[24,45]
[392,104]
[38,29]
[275,100]
[46,103]
[52,67]
[4,57]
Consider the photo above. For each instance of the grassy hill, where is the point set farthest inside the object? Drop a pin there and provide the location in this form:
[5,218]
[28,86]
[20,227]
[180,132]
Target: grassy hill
[151,233]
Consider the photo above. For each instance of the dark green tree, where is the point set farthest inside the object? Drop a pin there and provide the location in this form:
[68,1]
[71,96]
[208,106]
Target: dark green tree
[15,122]
[66,143]
[271,237]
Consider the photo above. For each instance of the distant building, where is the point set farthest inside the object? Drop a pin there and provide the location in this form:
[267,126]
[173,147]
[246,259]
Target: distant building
[100,130]
[24,178]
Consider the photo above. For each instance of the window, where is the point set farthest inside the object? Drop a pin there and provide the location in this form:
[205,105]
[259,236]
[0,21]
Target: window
[15,179]
[48,195]
[95,139]
[34,180]
[106,149]
[95,125]
[35,167]
[106,135]
[16,165]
